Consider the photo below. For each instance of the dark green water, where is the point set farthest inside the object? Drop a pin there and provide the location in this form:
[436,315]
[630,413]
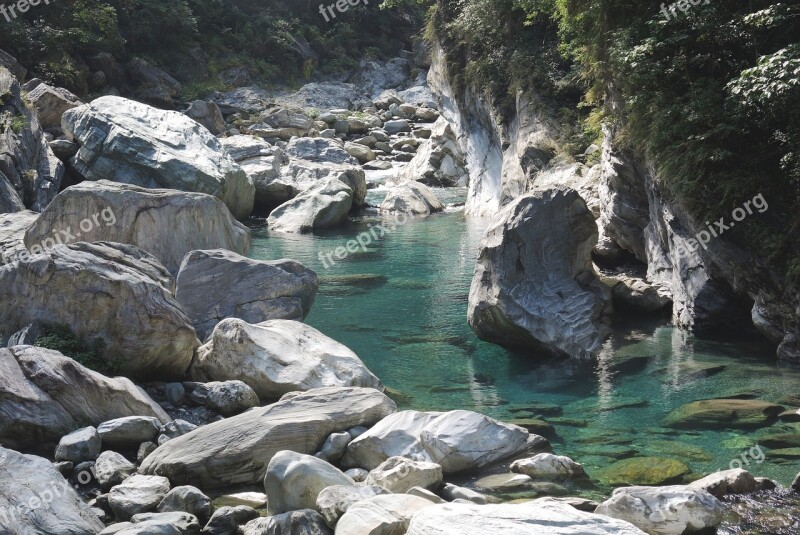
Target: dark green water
[401,306]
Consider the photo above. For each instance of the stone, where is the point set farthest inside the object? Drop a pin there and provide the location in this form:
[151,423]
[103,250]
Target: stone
[133,143]
[212,456]
[536,517]
[396,126]
[664,510]
[111,469]
[360,152]
[208,114]
[256,500]
[187,499]
[548,466]
[439,161]
[465,440]
[424,493]
[359,475]
[411,198]
[226,397]
[334,447]
[51,103]
[398,475]
[334,501]
[177,428]
[540,293]
[291,523]
[261,161]
[293,481]
[81,445]
[45,395]
[226,520]
[174,523]
[175,392]
[152,85]
[323,206]
[635,293]
[719,484]
[125,293]
[129,431]
[452,492]
[218,284]
[279,356]
[35,498]
[388,514]
[137,494]
[643,471]
[12,234]
[168,224]
[724,414]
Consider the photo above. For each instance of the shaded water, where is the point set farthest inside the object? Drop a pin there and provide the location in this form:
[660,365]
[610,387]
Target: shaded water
[401,305]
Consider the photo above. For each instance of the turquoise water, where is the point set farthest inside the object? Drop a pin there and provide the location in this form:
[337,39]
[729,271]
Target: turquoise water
[401,305]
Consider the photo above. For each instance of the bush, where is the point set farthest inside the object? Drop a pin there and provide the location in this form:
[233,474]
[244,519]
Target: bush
[61,339]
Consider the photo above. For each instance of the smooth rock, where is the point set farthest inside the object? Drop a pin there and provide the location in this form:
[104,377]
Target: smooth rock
[398,475]
[719,484]
[291,523]
[548,466]
[130,430]
[293,481]
[388,514]
[333,502]
[187,499]
[324,206]
[334,447]
[724,414]
[81,445]
[137,494]
[226,397]
[411,198]
[226,520]
[643,471]
[208,114]
[111,469]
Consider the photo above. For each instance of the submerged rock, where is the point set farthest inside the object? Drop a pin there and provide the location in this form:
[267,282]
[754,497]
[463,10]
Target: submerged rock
[279,356]
[218,284]
[724,414]
[165,223]
[238,450]
[133,143]
[643,471]
[534,284]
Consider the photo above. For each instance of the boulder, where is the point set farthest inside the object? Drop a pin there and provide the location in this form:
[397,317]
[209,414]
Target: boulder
[187,499]
[292,523]
[225,397]
[397,126]
[439,161]
[226,520]
[360,152]
[10,201]
[411,198]
[399,475]
[51,103]
[289,122]
[643,471]
[208,114]
[324,206]
[664,510]
[465,440]
[112,468]
[165,223]
[137,494]
[124,299]
[133,143]
[333,502]
[36,499]
[215,455]
[548,466]
[334,446]
[719,484]
[152,85]
[387,514]
[261,161]
[218,284]
[724,414]
[536,517]
[396,435]
[45,395]
[129,431]
[279,356]
[294,481]
[534,284]
[12,234]
[300,176]
[636,294]
[177,523]
[81,445]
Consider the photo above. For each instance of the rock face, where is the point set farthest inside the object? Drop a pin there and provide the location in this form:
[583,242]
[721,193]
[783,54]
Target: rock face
[723,413]
[12,234]
[262,162]
[30,174]
[218,284]
[124,298]
[207,114]
[35,499]
[51,103]
[294,481]
[439,161]
[133,143]
[532,518]
[44,395]
[279,356]
[411,198]
[165,223]
[323,206]
[238,450]
[664,510]
[535,286]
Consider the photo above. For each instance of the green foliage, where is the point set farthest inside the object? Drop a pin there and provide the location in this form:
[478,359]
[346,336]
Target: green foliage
[61,339]
[18,124]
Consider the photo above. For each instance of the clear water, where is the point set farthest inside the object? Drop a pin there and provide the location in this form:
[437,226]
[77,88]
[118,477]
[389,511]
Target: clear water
[401,305]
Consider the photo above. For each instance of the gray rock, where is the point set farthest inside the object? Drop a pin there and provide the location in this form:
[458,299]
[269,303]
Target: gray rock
[145,449]
[177,428]
[175,392]
[292,523]
[324,206]
[333,502]
[36,499]
[334,446]
[226,397]
[452,492]
[187,499]
[361,152]
[398,475]
[411,198]
[635,293]
[111,469]
[439,161]
[175,523]
[261,161]
[212,456]
[127,293]
[548,466]
[279,356]
[129,430]
[720,484]
[226,520]
[217,284]
[293,481]
[165,223]
[153,85]
[387,514]
[12,234]
[51,103]
[81,445]
[129,142]
[137,494]
[554,301]
[397,126]
[207,114]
